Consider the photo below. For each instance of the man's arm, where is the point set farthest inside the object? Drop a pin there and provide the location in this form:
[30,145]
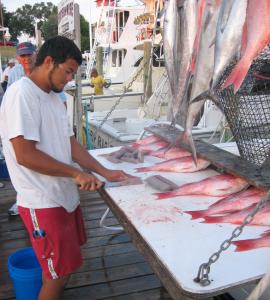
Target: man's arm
[32,158]
[85,160]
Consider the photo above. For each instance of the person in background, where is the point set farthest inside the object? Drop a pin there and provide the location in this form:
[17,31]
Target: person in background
[25,54]
[4,83]
[40,151]
[97,82]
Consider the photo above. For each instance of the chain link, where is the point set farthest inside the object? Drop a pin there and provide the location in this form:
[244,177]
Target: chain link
[204,269]
[117,102]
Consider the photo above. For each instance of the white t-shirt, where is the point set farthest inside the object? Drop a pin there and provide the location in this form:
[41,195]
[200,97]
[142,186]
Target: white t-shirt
[29,111]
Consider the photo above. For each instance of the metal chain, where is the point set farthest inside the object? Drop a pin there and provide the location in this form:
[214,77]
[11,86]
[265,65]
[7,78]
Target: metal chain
[204,269]
[117,102]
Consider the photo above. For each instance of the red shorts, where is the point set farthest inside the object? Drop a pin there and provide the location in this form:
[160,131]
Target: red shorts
[56,237]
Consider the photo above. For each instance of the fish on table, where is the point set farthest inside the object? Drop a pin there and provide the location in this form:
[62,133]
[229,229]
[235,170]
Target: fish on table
[255,37]
[178,165]
[145,141]
[152,146]
[232,203]
[251,244]
[262,217]
[217,186]
[174,152]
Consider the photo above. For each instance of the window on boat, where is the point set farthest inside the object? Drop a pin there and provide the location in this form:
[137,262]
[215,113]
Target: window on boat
[121,18]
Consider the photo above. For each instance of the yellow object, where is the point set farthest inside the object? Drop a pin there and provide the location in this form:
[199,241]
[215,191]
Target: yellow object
[98,83]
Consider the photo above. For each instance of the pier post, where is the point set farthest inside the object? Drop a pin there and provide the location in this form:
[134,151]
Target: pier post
[147,74]
[99,58]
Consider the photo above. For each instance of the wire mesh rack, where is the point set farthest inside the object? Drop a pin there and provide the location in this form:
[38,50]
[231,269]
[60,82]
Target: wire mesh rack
[248,111]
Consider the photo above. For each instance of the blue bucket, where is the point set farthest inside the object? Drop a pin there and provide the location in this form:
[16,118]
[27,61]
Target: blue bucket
[26,274]
[3,170]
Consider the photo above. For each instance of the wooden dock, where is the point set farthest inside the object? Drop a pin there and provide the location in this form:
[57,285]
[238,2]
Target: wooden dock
[112,269]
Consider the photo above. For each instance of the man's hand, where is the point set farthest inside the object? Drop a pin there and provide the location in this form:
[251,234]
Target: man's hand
[87,182]
[116,175]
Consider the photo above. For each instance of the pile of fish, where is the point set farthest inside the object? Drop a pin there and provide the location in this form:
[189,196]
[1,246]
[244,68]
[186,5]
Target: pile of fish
[234,209]
[201,39]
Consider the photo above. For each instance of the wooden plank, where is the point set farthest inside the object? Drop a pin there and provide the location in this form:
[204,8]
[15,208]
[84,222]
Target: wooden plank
[223,160]
[116,288]
[111,262]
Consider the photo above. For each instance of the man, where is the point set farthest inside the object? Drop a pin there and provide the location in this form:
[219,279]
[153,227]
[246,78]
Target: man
[97,82]
[40,148]
[11,64]
[25,54]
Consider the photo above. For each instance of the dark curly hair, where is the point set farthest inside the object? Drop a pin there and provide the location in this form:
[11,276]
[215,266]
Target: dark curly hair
[60,49]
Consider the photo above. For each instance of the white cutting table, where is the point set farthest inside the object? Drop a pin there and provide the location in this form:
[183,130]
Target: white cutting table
[173,244]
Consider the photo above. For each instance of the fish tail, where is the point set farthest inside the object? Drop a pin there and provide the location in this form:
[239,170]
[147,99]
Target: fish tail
[196,214]
[165,195]
[188,139]
[246,245]
[237,75]
[143,169]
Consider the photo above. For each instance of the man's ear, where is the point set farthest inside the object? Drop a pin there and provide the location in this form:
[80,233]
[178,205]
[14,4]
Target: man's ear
[48,61]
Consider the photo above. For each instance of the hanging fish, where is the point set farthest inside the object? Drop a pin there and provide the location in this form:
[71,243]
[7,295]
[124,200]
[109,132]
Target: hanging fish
[257,37]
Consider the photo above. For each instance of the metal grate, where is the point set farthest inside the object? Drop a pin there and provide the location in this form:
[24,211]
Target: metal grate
[248,111]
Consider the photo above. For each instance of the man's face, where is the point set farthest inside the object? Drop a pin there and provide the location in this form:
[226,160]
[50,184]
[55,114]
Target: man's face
[61,74]
[27,61]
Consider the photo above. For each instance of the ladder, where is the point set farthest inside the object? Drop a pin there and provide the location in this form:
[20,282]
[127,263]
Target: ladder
[103,33]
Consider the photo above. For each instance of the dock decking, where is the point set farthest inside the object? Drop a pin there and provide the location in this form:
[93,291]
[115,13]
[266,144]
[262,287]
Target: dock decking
[112,269]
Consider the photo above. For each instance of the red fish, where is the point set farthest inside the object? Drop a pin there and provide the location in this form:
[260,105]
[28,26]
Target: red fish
[262,218]
[180,165]
[218,186]
[250,244]
[257,37]
[232,203]
[152,146]
[174,152]
[147,140]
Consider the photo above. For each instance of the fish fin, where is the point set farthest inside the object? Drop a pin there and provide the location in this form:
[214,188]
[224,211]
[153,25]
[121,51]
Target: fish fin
[196,214]
[188,139]
[165,195]
[246,245]
[237,76]
[210,95]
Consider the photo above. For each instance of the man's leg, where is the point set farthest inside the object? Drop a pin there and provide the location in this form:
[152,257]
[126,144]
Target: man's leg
[52,289]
